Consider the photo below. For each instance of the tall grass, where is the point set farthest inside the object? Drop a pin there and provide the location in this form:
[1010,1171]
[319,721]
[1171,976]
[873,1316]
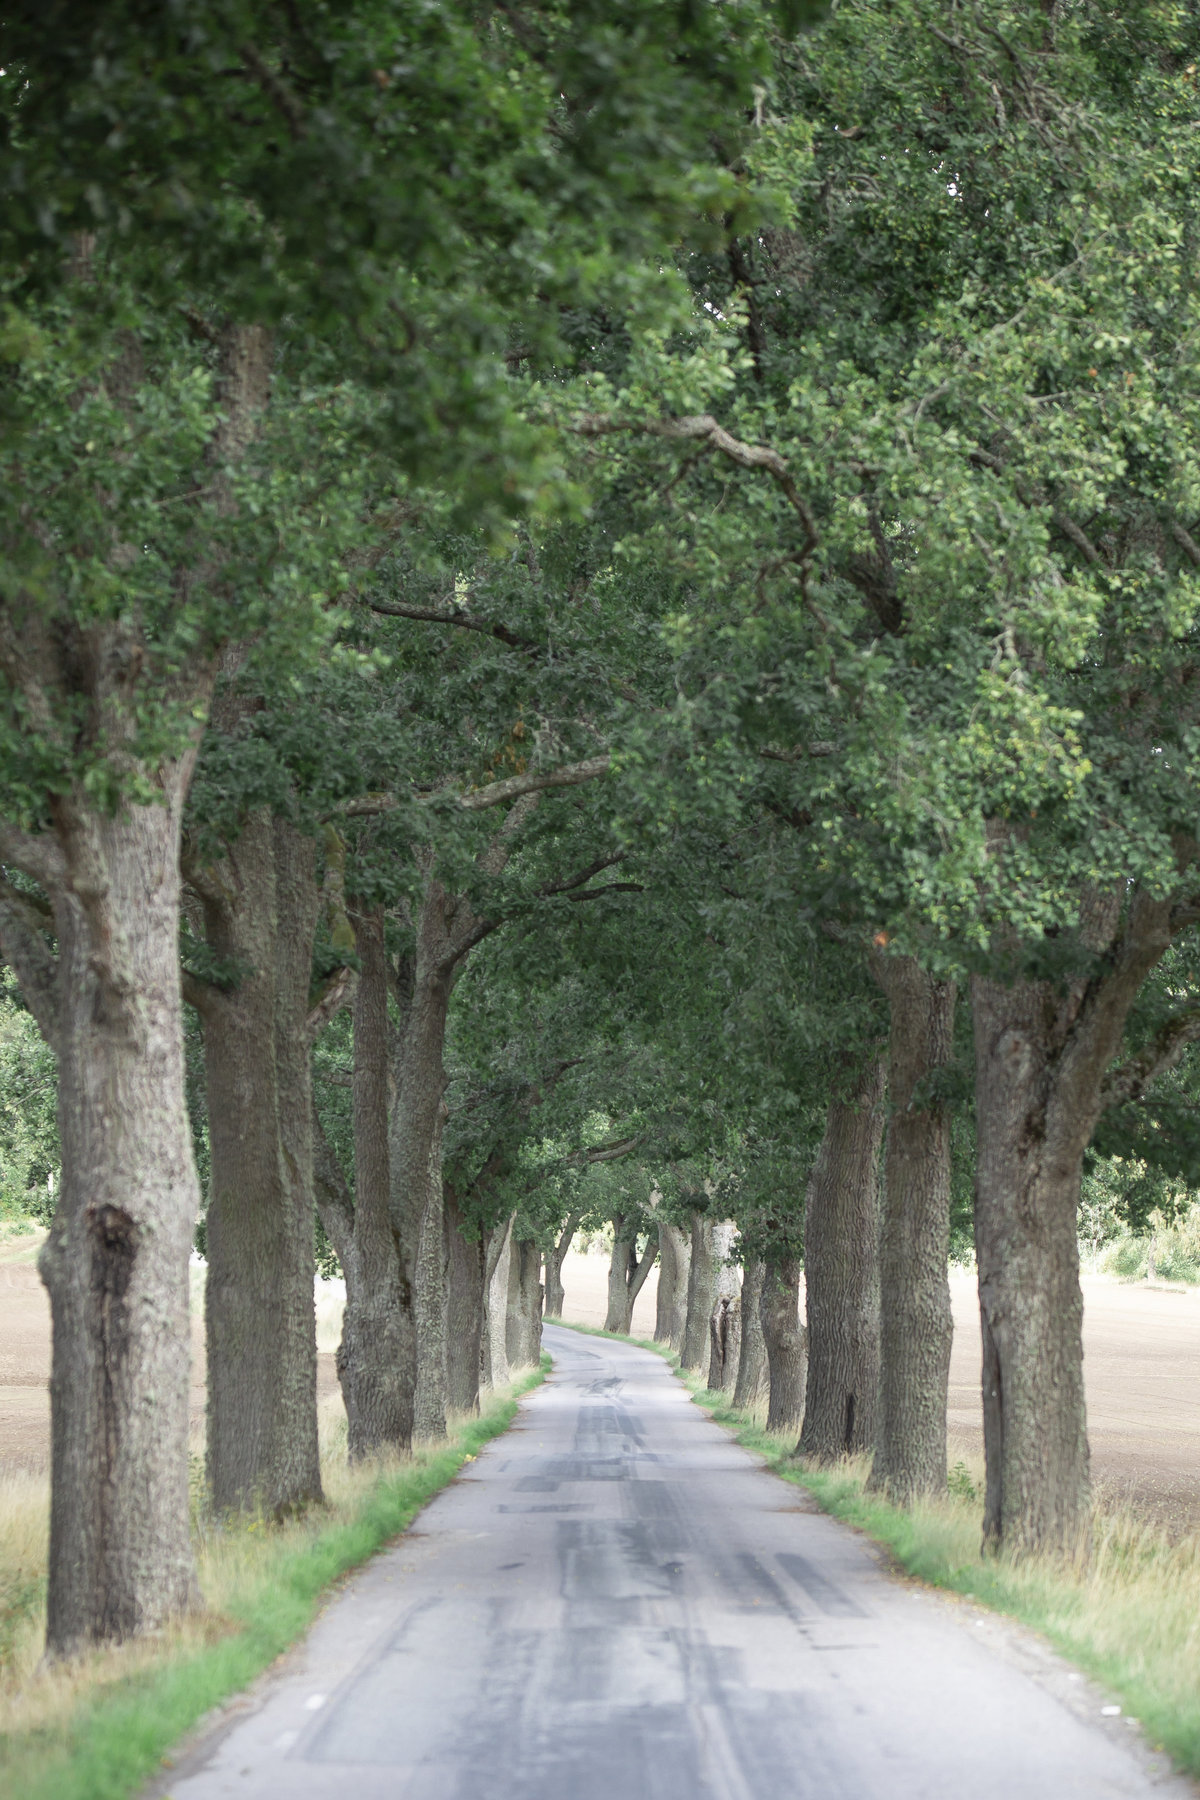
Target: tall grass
[98,1728]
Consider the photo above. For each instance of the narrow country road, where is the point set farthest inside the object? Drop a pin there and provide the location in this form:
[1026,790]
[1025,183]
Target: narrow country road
[615,1602]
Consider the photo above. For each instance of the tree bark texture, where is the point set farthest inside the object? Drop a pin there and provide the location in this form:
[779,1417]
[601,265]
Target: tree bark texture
[446,931]
[1043,1075]
[465,1269]
[841,1260]
[725,1320]
[627,1273]
[752,1356]
[786,1344]
[701,1295]
[116,1260]
[556,1299]
[523,1323]
[260,907]
[494,1360]
[429,1296]
[674,1258]
[916,1324]
[376,1359]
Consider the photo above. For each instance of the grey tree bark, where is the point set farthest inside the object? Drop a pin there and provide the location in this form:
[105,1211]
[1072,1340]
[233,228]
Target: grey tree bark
[786,1344]
[674,1259]
[627,1272]
[916,1324]
[841,1260]
[1044,1054]
[376,1359]
[752,1356]
[556,1299]
[494,1357]
[725,1320]
[523,1323]
[430,1298]
[115,1263]
[701,1294]
[465,1270]
[260,907]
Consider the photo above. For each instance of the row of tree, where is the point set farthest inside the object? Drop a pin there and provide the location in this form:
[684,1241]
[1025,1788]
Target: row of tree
[573,578]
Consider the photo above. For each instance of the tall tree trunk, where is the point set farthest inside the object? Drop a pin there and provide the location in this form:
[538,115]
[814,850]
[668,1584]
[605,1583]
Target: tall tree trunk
[465,1259]
[556,1299]
[523,1324]
[429,1297]
[376,1359]
[701,1295]
[1043,1075]
[261,914]
[674,1257]
[916,1324]
[627,1274]
[752,1358]
[725,1320]
[494,1359]
[786,1343]
[115,1262]
[841,1259]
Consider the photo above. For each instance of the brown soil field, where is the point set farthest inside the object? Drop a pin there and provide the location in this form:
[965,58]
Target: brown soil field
[1141,1347]
[1141,1363]
[25,1362]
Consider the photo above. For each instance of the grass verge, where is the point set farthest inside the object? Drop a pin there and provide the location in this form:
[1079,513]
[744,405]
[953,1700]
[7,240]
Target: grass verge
[1127,1614]
[99,1729]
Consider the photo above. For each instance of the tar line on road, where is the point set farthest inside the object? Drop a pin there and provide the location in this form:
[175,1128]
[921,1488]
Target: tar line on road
[615,1602]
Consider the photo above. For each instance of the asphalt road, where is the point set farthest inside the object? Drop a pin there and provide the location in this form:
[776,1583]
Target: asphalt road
[615,1602]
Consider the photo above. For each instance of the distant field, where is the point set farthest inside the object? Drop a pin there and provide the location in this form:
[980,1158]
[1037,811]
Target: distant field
[1142,1350]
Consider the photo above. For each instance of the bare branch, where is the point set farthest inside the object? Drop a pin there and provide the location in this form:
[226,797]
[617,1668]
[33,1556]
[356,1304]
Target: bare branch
[1077,535]
[37,854]
[31,959]
[535,781]
[1186,542]
[584,875]
[432,616]
[337,993]
[277,91]
[612,887]
[703,428]
[610,1152]
[1164,1051]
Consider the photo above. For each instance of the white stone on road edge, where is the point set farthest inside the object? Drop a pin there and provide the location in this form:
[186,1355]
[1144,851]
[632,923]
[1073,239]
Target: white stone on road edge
[615,1602]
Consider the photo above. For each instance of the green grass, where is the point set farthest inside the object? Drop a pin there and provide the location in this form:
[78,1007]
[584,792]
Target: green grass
[1127,1613]
[264,1587]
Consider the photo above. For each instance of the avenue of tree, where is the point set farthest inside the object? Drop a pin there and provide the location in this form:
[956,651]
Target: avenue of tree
[599,629]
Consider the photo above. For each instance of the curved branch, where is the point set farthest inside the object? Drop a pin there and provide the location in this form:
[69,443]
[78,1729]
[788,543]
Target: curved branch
[1163,1052]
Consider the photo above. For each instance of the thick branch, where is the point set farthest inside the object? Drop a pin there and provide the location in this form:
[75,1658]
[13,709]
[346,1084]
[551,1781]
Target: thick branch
[337,993]
[432,616]
[1164,1051]
[704,429]
[535,781]
[610,1152]
[37,855]
[31,959]
[1187,543]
